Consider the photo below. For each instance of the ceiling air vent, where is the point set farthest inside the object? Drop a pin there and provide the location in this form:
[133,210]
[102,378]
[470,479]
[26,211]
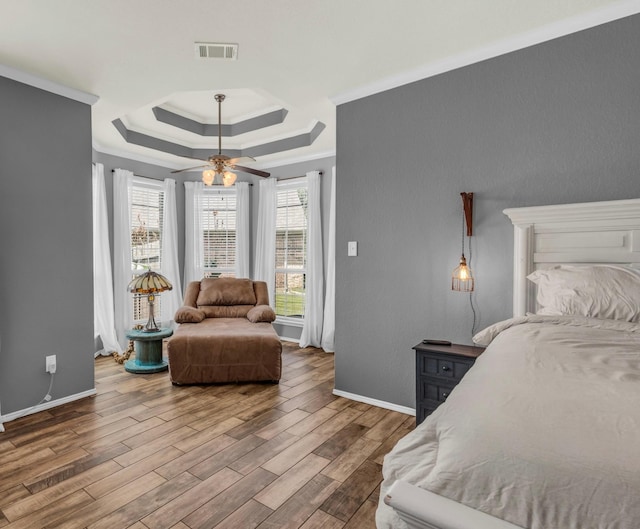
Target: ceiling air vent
[213,50]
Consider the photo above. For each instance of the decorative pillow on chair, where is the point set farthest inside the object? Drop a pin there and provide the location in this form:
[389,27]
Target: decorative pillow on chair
[261,313]
[188,315]
[226,291]
[605,292]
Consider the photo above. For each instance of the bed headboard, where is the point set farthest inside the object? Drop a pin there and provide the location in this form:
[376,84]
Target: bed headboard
[593,232]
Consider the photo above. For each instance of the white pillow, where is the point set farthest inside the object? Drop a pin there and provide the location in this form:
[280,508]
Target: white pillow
[605,292]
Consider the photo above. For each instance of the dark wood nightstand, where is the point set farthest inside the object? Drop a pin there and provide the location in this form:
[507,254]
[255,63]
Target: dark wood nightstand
[439,368]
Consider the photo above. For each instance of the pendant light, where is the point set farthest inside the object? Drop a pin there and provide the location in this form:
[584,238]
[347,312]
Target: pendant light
[462,278]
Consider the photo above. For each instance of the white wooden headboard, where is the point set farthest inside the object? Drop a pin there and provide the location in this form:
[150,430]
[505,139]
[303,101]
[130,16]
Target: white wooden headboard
[593,232]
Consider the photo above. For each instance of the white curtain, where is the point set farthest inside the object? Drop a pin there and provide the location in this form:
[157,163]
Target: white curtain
[329,323]
[122,184]
[171,300]
[103,318]
[265,263]
[242,229]
[314,282]
[193,243]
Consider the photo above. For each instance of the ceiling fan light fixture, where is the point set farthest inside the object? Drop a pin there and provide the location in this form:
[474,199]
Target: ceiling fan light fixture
[208,177]
[218,164]
[228,178]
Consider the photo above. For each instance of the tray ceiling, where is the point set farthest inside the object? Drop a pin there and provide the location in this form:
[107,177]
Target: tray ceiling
[295,61]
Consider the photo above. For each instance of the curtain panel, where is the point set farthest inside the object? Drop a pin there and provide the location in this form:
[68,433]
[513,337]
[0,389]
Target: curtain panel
[265,262]
[193,243]
[243,228]
[329,321]
[172,299]
[122,184]
[314,282]
[103,312]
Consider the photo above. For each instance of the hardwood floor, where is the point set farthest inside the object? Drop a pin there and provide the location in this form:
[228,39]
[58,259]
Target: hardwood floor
[145,454]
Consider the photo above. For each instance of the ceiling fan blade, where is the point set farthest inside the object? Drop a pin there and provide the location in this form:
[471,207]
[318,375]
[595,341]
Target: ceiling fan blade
[263,174]
[241,159]
[190,169]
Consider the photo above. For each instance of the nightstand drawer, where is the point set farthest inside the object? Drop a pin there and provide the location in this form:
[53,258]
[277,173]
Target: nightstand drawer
[441,366]
[434,390]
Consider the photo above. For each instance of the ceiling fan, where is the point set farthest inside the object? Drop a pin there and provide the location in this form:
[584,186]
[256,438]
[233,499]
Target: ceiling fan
[220,164]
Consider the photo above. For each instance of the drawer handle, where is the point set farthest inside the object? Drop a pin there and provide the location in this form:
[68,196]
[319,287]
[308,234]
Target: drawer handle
[446,368]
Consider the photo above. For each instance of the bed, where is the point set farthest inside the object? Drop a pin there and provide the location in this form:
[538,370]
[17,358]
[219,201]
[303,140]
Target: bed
[543,432]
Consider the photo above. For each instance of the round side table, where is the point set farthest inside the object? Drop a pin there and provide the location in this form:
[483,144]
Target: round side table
[148,347]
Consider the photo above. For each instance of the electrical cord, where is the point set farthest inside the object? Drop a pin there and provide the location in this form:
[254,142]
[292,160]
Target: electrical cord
[473,309]
[46,398]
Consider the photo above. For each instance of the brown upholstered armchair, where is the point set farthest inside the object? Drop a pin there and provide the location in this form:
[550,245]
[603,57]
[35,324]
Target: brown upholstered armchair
[225,334]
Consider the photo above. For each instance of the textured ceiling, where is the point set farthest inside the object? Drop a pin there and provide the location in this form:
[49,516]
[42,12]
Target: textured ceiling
[296,58]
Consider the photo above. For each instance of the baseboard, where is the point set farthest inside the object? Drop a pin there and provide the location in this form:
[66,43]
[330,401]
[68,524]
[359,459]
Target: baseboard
[285,339]
[44,406]
[374,402]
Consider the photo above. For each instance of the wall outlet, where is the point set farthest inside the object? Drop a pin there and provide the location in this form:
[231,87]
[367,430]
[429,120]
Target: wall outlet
[352,249]
[50,364]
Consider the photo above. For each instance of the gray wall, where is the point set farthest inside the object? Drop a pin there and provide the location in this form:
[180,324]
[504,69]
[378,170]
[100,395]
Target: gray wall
[554,123]
[160,173]
[46,284]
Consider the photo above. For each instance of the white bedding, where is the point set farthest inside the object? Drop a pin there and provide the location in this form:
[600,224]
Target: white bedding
[543,431]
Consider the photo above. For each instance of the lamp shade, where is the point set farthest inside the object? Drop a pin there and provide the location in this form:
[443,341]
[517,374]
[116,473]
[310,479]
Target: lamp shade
[208,177]
[462,277]
[149,283]
[228,178]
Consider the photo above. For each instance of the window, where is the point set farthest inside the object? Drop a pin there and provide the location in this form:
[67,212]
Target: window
[146,214]
[291,249]
[218,221]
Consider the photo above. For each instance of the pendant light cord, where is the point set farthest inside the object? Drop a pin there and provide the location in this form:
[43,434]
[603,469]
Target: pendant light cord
[473,309]
[462,235]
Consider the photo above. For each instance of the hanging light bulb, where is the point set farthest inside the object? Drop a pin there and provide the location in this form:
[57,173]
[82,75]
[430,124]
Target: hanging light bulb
[228,178]
[462,277]
[208,176]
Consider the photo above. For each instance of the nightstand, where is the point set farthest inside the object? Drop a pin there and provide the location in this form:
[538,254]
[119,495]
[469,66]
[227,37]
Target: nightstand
[439,368]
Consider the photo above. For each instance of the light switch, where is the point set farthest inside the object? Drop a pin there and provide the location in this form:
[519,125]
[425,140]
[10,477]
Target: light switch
[352,249]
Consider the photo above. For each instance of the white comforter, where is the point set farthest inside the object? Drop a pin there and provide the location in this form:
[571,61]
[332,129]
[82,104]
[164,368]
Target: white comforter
[543,431]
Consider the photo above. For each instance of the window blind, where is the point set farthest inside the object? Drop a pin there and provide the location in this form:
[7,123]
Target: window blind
[218,221]
[146,217]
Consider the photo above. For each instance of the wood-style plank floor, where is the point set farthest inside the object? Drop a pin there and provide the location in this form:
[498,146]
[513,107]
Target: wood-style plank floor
[146,454]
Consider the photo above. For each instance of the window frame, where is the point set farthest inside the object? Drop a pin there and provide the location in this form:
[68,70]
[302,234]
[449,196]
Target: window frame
[138,305]
[285,185]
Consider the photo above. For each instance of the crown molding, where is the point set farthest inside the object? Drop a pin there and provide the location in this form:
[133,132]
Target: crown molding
[170,165]
[121,153]
[544,33]
[48,86]
[298,159]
